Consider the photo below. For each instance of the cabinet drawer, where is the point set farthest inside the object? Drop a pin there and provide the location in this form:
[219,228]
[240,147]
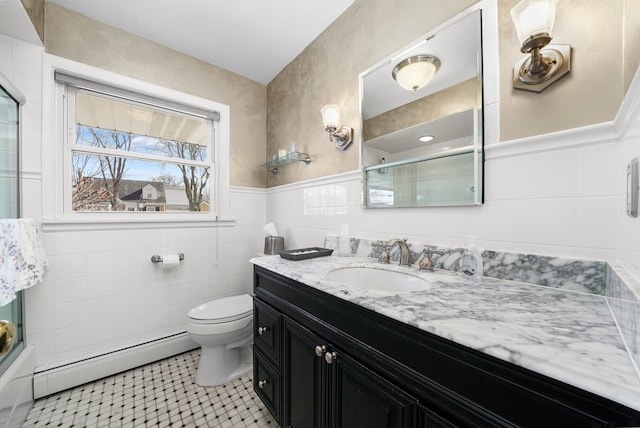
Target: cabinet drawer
[266,383]
[266,331]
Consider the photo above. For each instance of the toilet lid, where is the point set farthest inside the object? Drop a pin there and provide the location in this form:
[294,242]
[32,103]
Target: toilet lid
[223,310]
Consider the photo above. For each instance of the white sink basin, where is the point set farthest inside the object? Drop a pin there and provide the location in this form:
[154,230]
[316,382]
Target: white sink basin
[378,279]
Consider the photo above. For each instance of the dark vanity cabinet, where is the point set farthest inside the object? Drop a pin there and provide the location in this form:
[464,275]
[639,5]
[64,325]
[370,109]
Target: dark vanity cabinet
[320,361]
[318,384]
[323,387]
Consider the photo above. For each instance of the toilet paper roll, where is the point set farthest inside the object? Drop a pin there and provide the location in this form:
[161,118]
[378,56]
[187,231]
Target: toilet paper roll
[170,260]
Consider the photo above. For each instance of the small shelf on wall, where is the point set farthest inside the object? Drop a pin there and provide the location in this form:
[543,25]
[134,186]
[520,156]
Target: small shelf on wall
[273,165]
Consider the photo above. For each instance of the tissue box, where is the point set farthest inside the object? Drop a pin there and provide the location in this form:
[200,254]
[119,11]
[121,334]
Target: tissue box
[273,244]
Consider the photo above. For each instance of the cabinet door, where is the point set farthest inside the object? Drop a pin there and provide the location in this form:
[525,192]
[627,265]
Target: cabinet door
[428,419]
[304,378]
[363,399]
[266,330]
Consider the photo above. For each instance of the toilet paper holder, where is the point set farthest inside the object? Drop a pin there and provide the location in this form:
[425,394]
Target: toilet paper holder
[158,259]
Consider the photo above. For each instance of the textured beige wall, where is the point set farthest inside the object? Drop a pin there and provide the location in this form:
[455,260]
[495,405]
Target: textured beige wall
[35,11]
[631,58]
[79,38]
[326,72]
[590,94]
[460,97]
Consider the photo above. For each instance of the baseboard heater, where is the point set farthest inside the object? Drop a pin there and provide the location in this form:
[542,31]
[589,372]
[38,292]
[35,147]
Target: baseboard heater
[55,379]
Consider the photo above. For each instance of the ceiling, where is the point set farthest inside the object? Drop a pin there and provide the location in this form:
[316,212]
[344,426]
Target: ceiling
[253,38]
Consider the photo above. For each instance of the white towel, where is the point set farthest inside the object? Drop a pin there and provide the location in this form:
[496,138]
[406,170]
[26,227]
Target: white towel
[22,257]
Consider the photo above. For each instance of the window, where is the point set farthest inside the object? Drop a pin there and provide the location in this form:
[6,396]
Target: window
[126,152]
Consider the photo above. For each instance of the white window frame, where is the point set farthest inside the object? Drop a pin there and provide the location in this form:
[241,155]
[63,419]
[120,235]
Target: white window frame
[116,94]
[56,200]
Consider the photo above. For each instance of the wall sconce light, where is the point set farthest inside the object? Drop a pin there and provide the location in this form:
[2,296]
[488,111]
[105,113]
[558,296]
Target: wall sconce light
[416,72]
[343,134]
[533,20]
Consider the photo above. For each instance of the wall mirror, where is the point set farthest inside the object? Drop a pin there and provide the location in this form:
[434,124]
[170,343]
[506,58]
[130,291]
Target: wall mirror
[423,146]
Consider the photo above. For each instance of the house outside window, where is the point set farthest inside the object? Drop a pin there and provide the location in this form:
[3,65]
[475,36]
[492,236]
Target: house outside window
[126,152]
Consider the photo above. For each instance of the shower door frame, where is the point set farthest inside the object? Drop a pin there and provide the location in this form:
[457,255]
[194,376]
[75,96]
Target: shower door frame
[19,98]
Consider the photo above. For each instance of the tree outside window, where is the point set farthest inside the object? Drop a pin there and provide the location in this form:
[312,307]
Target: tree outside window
[128,157]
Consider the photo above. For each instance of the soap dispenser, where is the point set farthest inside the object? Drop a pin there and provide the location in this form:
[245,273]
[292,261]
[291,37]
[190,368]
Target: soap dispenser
[471,264]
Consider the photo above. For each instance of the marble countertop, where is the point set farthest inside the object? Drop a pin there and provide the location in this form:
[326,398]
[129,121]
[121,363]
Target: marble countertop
[566,335]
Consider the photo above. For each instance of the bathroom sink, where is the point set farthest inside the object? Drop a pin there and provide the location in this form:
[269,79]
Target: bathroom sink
[378,279]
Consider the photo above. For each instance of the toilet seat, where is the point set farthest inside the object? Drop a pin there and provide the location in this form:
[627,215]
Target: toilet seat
[223,310]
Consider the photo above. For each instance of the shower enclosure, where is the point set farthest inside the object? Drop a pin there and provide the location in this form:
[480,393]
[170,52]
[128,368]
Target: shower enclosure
[12,389]
[11,314]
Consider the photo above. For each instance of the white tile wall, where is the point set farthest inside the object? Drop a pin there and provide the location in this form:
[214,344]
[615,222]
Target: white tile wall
[6,55]
[546,221]
[556,202]
[594,170]
[597,216]
[21,64]
[101,292]
[629,228]
[545,175]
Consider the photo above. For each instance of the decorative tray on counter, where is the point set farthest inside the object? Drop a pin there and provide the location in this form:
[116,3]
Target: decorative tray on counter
[305,253]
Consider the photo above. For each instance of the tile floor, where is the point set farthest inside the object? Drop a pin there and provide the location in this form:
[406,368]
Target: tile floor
[161,394]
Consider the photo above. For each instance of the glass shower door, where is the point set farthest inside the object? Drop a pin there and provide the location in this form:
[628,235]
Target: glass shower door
[9,199]
[11,335]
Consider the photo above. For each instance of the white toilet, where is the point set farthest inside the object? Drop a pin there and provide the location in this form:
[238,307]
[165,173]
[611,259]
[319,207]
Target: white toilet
[223,328]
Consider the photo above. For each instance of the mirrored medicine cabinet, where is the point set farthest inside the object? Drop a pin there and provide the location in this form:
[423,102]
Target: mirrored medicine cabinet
[401,169]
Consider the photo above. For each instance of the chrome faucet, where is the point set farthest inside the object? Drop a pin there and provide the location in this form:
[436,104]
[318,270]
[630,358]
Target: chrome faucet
[426,262]
[384,255]
[405,259]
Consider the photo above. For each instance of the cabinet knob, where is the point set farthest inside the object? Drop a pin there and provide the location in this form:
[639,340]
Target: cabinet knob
[262,330]
[262,383]
[320,350]
[330,357]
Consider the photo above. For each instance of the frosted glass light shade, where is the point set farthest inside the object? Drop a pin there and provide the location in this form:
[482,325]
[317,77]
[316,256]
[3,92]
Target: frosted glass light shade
[416,72]
[330,116]
[343,136]
[533,17]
